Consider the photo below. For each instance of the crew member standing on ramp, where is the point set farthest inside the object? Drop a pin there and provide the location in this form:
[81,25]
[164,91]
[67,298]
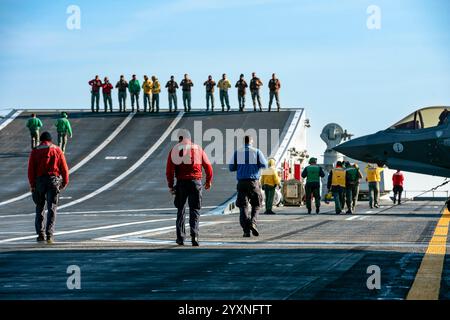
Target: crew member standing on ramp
[135,88]
[247,162]
[64,129]
[223,85]
[48,174]
[156,89]
[186,85]
[172,87]
[241,85]
[312,174]
[34,124]
[95,84]
[255,85]
[185,163]
[122,86]
[274,87]
[107,87]
[209,86]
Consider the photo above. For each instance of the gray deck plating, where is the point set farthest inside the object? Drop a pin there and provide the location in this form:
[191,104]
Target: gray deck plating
[123,239]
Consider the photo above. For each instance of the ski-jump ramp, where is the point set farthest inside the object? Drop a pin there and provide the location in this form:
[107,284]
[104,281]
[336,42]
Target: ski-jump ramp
[117,160]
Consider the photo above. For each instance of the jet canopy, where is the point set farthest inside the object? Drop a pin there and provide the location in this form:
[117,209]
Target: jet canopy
[424,118]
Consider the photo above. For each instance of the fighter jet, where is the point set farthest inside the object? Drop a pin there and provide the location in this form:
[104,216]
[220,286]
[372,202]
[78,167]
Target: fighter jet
[419,143]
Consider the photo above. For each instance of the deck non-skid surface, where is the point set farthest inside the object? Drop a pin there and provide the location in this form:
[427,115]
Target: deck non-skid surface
[122,238]
[297,256]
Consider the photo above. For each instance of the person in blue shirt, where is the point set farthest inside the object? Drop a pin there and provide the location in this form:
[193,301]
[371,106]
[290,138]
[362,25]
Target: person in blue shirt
[247,163]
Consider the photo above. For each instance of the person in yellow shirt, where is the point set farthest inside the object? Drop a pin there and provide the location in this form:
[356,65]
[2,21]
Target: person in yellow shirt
[373,177]
[156,89]
[336,184]
[269,181]
[223,85]
[147,86]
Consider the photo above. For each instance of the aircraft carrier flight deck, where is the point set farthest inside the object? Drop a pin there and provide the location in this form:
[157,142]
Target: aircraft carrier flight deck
[116,221]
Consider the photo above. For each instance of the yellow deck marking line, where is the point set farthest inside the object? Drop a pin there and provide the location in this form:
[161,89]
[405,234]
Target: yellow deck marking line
[427,283]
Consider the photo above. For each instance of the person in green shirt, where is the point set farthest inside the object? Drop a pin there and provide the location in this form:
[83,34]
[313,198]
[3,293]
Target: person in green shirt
[352,176]
[64,130]
[135,88]
[313,173]
[34,124]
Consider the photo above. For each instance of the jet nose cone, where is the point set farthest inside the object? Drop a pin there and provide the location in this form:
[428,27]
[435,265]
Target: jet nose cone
[354,149]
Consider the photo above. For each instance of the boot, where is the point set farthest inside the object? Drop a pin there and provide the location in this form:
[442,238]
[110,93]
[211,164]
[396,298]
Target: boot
[254,230]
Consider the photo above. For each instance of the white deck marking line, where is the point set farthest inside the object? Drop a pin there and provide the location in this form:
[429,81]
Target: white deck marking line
[128,210]
[10,119]
[154,232]
[91,229]
[101,211]
[364,217]
[86,159]
[17,232]
[288,136]
[136,165]
[352,218]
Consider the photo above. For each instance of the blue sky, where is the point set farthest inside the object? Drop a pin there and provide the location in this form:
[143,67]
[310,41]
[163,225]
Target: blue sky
[327,59]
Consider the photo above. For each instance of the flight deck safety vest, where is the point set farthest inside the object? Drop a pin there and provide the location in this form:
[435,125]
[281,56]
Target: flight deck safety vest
[373,174]
[313,173]
[338,178]
[352,175]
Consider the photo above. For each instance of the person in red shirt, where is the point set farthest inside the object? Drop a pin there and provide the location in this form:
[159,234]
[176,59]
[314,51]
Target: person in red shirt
[95,84]
[185,163]
[48,174]
[107,87]
[397,181]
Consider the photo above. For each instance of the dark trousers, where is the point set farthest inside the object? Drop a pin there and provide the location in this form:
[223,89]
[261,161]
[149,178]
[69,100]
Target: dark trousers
[155,102]
[122,100]
[374,193]
[34,138]
[312,189]
[107,100]
[224,98]
[134,97]
[274,94]
[187,100]
[241,99]
[351,196]
[256,97]
[47,190]
[248,191]
[270,194]
[62,141]
[338,195]
[95,99]
[147,100]
[190,190]
[398,193]
[209,97]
